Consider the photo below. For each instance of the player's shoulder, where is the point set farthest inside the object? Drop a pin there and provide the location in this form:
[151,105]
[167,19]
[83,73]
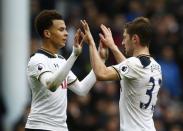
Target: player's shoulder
[141,61]
[155,62]
[39,57]
[132,61]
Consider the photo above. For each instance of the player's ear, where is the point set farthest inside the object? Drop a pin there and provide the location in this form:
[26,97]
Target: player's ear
[47,33]
[135,38]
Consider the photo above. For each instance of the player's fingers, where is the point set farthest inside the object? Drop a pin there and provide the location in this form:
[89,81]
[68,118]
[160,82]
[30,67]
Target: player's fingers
[77,35]
[109,30]
[84,24]
[104,30]
[81,43]
[104,27]
[77,38]
[101,37]
[101,45]
[82,37]
[82,34]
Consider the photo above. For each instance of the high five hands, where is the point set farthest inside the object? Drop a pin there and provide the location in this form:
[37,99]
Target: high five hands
[106,36]
[78,42]
[88,38]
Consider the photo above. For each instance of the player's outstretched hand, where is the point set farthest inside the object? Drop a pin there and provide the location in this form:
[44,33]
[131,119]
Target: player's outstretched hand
[78,43]
[87,34]
[106,36]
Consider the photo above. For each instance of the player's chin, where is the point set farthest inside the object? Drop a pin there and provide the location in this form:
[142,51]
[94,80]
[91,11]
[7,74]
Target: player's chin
[61,45]
[64,40]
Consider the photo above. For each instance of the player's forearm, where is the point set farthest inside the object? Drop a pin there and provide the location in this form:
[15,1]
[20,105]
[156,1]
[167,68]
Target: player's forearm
[119,57]
[82,88]
[96,62]
[53,81]
[61,74]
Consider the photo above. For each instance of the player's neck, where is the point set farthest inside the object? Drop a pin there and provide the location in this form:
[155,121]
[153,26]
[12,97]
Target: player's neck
[49,47]
[141,51]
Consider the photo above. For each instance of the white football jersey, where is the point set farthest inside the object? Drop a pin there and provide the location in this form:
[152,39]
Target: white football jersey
[140,82]
[48,109]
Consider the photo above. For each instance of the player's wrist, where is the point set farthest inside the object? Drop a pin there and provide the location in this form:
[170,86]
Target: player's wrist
[76,51]
[113,47]
[91,42]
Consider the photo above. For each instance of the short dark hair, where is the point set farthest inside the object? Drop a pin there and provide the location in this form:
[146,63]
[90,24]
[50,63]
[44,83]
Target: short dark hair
[44,20]
[142,27]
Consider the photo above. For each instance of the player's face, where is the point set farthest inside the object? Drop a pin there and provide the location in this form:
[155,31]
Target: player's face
[58,33]
[127,43]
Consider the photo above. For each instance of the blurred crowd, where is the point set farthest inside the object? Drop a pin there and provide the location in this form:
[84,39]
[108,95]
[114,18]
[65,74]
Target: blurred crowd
[98,111]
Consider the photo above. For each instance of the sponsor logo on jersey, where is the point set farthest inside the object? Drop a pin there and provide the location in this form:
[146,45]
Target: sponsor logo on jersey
[56,65]
[40,67]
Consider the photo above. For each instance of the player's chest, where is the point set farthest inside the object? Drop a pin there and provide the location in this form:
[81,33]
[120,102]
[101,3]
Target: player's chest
[55,64]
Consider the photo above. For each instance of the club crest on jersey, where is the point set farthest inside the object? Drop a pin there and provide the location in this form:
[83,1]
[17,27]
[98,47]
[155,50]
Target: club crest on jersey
[124,69]
[40,67]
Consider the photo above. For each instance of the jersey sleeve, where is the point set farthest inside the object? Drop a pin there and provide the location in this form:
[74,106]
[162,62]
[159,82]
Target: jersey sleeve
[37,66]
[126,69]
[71,78]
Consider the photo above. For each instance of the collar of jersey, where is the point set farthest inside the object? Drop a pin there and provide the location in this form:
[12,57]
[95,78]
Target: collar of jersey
[47,53]
[143,55]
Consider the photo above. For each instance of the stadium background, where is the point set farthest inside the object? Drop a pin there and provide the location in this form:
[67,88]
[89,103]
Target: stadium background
[98,111]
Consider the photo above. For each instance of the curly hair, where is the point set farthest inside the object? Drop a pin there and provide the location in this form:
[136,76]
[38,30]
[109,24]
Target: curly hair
[45,20]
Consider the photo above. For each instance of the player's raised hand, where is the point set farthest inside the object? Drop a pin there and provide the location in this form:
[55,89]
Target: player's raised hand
[78,42]
[106,36]
[103,51]
[87,34]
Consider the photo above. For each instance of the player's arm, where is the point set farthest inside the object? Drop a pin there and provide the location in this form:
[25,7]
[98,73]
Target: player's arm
[101,71]
[83,87]
[53,80]
[107,39]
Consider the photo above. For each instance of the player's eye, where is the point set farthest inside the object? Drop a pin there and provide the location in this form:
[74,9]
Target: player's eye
[62,29]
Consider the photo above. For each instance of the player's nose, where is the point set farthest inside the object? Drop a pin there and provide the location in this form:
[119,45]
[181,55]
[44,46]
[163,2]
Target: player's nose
[66,33]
